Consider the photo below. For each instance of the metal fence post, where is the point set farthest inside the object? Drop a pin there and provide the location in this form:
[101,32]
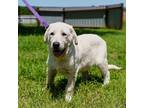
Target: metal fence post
[63,15]
[38,23]
[106,17]
[121,20]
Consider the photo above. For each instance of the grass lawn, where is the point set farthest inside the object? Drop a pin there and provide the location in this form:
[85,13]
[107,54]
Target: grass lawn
[32,75]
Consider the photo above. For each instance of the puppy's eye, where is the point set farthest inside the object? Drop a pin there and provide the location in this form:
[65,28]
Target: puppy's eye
[52,33]
[64,34]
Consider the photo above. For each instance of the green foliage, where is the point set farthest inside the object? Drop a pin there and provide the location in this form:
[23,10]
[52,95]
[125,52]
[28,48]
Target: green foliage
[32,75]
[24,11]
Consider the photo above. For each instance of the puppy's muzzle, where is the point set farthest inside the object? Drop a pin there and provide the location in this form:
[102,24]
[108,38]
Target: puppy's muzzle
[57,51]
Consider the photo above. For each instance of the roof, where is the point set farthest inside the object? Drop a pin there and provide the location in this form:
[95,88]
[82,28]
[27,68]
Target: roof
[115,6]
[84,8]
[60,9]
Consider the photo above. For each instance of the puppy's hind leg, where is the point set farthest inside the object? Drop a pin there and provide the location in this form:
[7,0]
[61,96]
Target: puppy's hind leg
[104,69]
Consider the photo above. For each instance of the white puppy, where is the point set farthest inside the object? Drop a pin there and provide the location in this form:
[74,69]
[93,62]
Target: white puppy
[70,54]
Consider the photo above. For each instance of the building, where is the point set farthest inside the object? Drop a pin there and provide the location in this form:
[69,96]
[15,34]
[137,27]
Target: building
[96,16]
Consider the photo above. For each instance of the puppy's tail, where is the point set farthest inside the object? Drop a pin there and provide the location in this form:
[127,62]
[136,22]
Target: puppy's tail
[111,66]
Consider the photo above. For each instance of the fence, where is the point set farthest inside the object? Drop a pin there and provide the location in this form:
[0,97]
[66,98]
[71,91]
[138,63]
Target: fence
[27,19]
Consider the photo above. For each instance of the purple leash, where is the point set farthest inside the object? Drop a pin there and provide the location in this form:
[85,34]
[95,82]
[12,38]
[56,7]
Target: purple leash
[41,19]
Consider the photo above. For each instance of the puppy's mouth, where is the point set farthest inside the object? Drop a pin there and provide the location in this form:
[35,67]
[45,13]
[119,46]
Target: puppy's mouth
[59,52]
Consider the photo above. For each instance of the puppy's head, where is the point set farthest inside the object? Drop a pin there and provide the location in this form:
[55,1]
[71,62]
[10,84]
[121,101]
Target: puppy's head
[60,36]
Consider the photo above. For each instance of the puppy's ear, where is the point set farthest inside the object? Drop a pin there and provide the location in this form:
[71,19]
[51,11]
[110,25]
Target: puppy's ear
[74,35]
[46,37]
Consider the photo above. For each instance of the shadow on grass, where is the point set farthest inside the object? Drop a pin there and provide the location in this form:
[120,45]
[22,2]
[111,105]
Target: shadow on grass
[33,30]
[58,89]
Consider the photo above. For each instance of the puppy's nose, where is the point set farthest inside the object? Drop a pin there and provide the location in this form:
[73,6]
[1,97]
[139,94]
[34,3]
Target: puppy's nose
[56,45]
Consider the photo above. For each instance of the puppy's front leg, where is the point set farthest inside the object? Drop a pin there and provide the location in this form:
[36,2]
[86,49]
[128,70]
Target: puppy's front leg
[51,75]
[70,86]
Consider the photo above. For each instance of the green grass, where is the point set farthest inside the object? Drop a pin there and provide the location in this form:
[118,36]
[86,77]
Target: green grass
[32,75]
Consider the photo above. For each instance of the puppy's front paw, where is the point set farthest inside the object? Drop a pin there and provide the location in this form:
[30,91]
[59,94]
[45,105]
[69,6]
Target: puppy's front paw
[68,97]
[106,82]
